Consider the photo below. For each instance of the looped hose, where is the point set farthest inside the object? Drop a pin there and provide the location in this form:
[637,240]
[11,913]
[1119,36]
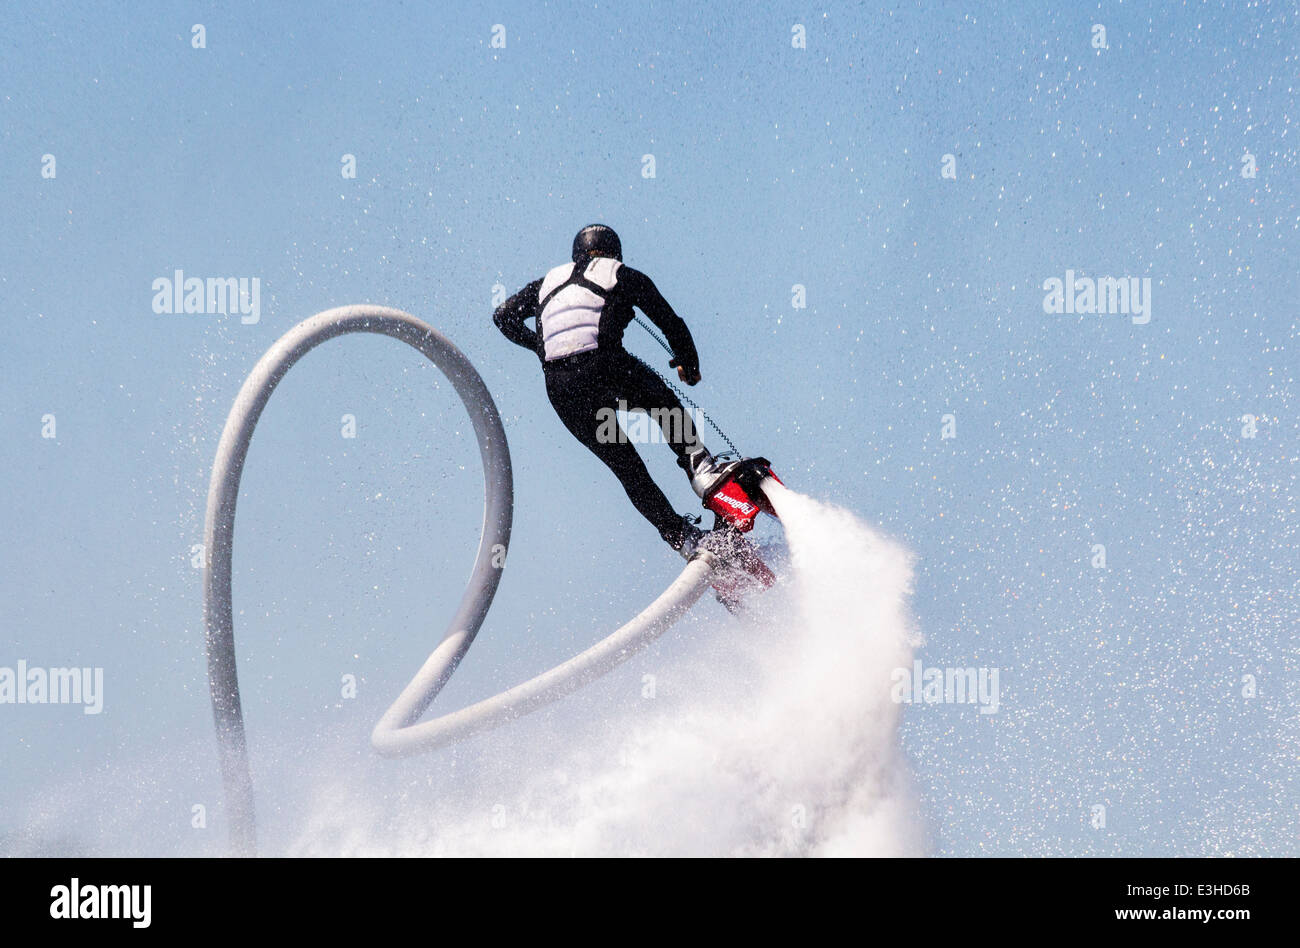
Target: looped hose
[398,732]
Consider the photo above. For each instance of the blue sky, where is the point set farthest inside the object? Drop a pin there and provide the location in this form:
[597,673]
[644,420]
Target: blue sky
[774,166]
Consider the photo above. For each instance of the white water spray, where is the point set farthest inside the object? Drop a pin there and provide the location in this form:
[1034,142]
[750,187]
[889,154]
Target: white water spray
[786,743]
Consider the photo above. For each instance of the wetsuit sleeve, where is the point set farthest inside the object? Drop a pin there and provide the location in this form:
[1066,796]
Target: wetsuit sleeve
[645,296]
[510,316]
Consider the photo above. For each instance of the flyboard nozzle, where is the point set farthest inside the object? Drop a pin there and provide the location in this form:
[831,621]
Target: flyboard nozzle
[732,489]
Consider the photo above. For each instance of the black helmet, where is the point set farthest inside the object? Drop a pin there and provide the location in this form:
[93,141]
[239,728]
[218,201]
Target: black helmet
[596,238]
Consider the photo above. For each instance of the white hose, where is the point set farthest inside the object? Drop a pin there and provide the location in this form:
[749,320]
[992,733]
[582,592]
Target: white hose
[398,732]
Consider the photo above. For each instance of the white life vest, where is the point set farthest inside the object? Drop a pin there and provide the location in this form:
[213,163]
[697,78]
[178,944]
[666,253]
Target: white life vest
[572,299]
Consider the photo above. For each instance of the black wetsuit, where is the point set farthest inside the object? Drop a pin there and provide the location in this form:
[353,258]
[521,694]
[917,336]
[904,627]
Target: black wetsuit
[586,307]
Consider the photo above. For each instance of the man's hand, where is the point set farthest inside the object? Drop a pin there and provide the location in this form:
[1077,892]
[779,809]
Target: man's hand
[689,376]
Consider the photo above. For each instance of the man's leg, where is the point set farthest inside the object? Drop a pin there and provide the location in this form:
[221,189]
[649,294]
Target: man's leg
[643,390]
[577,398]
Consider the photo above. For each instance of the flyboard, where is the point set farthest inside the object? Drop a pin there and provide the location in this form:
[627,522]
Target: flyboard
[732,489]
[723,560]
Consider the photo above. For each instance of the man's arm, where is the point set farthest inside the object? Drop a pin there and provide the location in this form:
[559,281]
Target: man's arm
[510,316]
[646,297]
